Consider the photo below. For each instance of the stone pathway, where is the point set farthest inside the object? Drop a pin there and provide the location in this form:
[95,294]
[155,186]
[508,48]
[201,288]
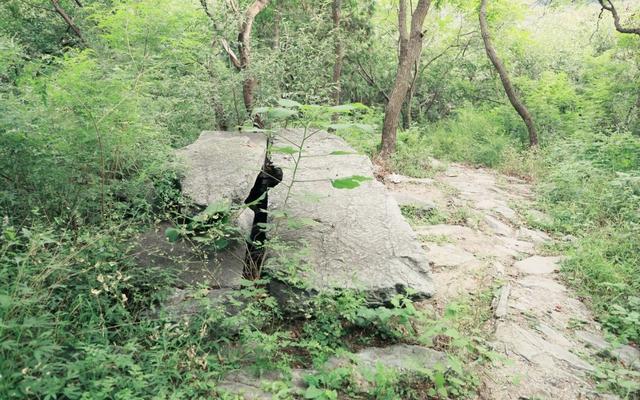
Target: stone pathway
[545,332]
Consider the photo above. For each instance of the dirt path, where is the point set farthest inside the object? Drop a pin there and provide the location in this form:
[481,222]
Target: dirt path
[480,241]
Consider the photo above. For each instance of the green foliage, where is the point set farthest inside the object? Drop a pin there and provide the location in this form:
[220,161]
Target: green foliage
[471,136]
[592,189]
[87,132]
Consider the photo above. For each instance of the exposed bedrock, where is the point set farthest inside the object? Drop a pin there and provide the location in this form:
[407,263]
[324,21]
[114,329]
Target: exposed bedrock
[351,238]
[348,238]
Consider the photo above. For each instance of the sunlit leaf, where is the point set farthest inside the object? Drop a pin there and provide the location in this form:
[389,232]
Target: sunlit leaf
[288,103]
[284,150]
[350,182]
[172,234]
[344,108]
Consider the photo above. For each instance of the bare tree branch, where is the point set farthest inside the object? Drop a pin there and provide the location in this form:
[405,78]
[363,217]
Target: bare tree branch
[608,5]
[368,77]
[67,19]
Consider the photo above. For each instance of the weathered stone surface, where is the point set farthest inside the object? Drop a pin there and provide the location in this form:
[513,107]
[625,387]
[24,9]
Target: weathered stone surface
[397,179]
[357,238]
[476,242]
[193,264]
[410,200]
[222,166]
[498,226]
[629,356]
[403,358]
[502,304]
[534,348]
[541,282]
[449,255]
[538,265]
[250,387]
[533,235]
[518,246]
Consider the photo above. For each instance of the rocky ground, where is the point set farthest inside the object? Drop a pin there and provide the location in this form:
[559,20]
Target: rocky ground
[548,336]
[473,224]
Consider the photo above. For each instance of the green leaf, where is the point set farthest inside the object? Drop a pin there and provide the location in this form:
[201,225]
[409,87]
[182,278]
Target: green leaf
[361,127]
[288,103]
[313,392]
[344,108]
[5,301]
[219,207]
[341,153]
[350,182]
[172,234]
[284,150]
[261,110]
[221,244]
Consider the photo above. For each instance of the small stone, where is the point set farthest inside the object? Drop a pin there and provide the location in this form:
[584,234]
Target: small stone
[532,235]
[518,245]
[498,226]
[503,300]
[395,178]
[407,199]
[541,282]
[593,340]
[449,256]
[538,265]
[629,356]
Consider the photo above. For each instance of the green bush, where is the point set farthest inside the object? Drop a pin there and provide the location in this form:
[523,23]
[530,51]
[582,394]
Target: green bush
[592,191]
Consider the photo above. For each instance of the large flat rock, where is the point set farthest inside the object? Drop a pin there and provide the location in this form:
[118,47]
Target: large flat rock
[191,263]
[222,166]
[355,238]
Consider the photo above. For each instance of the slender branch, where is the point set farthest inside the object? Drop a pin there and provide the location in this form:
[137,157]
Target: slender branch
[67,19]
[608,5]
[368,77]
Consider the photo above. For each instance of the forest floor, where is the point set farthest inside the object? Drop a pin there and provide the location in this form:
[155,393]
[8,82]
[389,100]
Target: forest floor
[475,227]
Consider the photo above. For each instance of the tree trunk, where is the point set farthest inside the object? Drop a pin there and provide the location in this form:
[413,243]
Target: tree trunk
[244,48]
[410,48]
[406,113]
[336,8]
[504,77]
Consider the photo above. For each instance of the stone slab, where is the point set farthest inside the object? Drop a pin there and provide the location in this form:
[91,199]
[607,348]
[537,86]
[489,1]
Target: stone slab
[531,346]
[222,166]
[402,358]
[449,256]
[538,265]
[246,385]
[356,238]
[191,263]
[411,200]
[498,227]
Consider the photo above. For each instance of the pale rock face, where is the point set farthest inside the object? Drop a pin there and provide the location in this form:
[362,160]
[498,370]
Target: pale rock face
[222,166]
[355,238]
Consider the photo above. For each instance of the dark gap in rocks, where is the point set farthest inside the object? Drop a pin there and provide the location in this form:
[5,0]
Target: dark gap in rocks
[258,200]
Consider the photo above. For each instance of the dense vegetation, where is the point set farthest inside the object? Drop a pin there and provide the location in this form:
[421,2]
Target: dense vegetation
[92,108]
